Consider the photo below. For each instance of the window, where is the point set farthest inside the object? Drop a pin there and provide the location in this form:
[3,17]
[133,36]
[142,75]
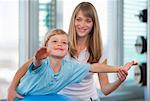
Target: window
[132,27]
[47,17]
[8,43]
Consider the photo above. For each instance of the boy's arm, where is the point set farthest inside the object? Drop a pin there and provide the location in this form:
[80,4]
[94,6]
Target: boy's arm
[40,54]
[103,68]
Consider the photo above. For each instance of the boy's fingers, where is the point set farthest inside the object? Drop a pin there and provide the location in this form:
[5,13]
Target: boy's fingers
[134,63]
[19,96]
[44,50]
[130,64]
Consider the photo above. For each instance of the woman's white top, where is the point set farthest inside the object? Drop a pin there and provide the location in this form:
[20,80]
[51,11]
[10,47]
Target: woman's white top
[86,89]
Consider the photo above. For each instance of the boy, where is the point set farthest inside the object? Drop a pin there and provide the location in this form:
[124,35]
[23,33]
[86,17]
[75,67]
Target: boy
[50,71]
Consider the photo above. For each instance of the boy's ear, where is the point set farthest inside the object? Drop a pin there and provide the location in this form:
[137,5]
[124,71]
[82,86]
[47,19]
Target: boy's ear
[45,45]
[48,50]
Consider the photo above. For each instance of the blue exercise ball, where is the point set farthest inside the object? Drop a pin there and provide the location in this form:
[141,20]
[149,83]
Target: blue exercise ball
[51,97]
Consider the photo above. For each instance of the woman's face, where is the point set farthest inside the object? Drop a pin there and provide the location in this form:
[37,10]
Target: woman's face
[83,25]
[58,46]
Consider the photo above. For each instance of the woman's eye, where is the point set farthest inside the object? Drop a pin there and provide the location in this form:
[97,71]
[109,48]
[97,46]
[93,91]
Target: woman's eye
[78,19]
[89,21]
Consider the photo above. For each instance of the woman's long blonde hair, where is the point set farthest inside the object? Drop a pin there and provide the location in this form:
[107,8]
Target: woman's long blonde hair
[94,40]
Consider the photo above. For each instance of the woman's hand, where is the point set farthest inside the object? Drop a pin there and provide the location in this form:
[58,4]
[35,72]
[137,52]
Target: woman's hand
[122,74]
[123,71]
[12,94]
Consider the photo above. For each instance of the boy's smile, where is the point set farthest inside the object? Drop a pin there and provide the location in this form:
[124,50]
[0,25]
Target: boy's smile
[58,45]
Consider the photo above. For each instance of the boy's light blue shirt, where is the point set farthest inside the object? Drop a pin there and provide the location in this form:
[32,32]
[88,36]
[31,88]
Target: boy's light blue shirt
[44,81]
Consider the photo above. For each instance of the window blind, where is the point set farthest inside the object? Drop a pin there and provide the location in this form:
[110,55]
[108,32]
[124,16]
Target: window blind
[132,27]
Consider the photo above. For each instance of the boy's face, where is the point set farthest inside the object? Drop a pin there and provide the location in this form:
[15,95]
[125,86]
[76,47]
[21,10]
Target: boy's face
[58,46]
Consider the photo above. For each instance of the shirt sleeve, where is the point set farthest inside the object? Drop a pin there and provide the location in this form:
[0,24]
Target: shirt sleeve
[39,69]
[103,57]
[80,71]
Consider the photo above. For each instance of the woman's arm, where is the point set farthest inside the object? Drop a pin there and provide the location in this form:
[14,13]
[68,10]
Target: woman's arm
[19,74]
[107,87]
[103,78]
[103,68]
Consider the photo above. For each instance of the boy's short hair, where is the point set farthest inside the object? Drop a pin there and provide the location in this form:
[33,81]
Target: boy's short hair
[51,33]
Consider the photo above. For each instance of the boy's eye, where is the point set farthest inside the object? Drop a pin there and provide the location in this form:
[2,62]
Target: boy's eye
[65,43]
[89,21]
[54,41]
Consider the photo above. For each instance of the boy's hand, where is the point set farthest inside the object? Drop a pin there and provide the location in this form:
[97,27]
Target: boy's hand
[42,53]
[129,65]
[12,94]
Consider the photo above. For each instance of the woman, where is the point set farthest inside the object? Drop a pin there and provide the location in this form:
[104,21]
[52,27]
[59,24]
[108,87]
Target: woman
[85,46]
